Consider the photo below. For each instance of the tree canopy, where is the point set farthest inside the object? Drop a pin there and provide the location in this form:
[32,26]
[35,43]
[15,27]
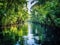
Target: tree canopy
[13,14]
[12,11]
[46,11]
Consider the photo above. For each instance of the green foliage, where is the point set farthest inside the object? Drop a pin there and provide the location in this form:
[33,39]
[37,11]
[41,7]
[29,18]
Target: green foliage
[13,11]
[13,14]
[46,13]
[12,34]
